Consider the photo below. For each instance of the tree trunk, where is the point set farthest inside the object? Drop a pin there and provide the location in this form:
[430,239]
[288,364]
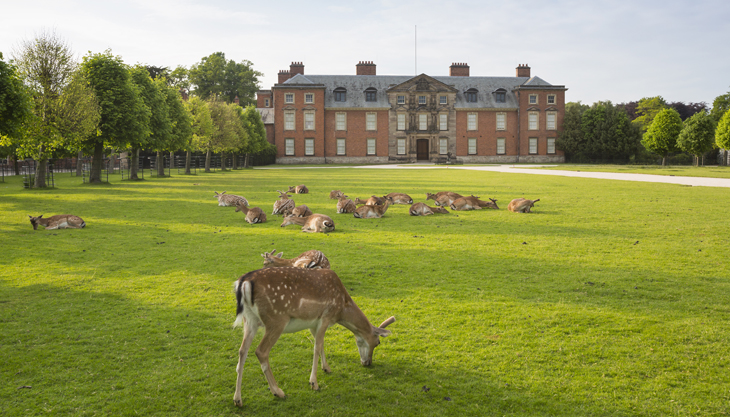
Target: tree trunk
[160,164]
[664,160]
[79,163]
[235,164]
[16,165]
[172,161]
[40,173]
[96,163]
[245,161]
[188,157]
[207,161]
[134,165]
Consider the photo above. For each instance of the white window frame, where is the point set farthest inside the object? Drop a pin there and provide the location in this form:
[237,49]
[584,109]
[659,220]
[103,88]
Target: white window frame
[551,99]
[308,98]
[501,146]
[371,149]
[471,121]
[289,120]
[309,147]
[501,121]
[371,121]
[422,121]
[472,146]
[309,120]
[289,147]
[400,100]
[422,100]
[551,146]
[533,120]
[341,121]
[551,120]
[533,99]
[443,100]
[401,121]
[401,146]
[443,146]
[266,102]
[289,98]
[444,121]
[341,146]
[532,148]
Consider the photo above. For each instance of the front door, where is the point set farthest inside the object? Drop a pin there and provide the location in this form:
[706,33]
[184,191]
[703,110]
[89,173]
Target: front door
[422,149]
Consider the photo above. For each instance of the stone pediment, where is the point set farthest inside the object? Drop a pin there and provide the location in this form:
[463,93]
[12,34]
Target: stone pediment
[422,83]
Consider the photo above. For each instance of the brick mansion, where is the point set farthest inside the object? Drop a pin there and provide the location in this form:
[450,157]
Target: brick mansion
[370,118]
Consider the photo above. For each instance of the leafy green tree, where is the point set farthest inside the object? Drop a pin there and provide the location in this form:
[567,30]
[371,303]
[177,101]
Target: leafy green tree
[256,130]
[697,135]
[722,133]
[15,102]
[160,127]
[216,78]
[225,133]
[201,126]
[720,106]
[179,78]
[661,137]
[124,116]
[647,109]
[571,139]
[180,120]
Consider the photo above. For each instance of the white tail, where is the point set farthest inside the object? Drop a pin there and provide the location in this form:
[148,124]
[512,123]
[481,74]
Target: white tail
[253,215]
[521,205]
[345,205]
[287,300]
[228,200]
[299,189]
[59,221]
[316,223]
[311,259]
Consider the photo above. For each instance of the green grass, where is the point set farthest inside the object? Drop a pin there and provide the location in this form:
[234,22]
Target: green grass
[711,171]
[610,299]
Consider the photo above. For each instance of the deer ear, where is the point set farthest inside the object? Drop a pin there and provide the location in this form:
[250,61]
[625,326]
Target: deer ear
[40,216]
[381,332]
[279,255]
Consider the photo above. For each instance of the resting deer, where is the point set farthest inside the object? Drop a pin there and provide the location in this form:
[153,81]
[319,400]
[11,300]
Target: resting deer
[345,205]
[521,205]
[372,212]
[443,198]
[298,211]
[473,203]
[253,215]
[287,300]
[228,200]
[400,198]
[59,221]
[372,201]
[335,194]
[299,189]
[316,223]
[311,259]
[284,203]
[421,209]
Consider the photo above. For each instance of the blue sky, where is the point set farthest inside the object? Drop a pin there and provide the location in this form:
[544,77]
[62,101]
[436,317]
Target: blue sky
[600,50]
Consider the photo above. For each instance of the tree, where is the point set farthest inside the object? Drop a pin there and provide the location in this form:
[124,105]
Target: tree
[661,137]
[226,127]
[124,116]
[65,108]
[722,133]
[697,135]
[571,139]
[201,126]
[647,109]
[160,127]
[688,110]
[179,78]
[256,130]
[720,106]
[180,120]
[15,101]
[217,78]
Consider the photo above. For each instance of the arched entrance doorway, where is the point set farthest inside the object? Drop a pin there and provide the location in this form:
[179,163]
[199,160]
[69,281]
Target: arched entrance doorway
[422,150]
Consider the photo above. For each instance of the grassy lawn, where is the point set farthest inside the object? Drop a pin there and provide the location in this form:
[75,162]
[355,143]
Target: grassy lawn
[610,299]
[712,171]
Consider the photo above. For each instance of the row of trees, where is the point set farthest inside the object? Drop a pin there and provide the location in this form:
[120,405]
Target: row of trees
[52,106]
[636,131]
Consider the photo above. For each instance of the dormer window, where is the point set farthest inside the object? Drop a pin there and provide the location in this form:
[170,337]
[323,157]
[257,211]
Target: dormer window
[371,94]
[471,95]
[500,95]
[340,94]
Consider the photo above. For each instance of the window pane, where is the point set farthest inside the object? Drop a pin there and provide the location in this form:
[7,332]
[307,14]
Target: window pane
[401,121]
[443,121]
[532,119]
[371,146]
[533,99]
[442,100]
[340,121]
[290,146]
[533,145]
[422,122]
[289,120]
[501,146]
[471,121]
[309,98]
[551,121]
[501,121]
[371,121]
[551,145]
[501,97]
[443,146]
[340,146]
[421,100]
[401,99]
[551,99]
[401,146]
[309,121]
[472,146]
[289,98]
[309,146]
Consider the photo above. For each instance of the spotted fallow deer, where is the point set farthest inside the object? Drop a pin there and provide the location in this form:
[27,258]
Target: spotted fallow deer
[228,200]
[299,189]
[372,212]
[372,201]
[253,215]
[443,198]
[335,194]
[345,205]
[298,211]
[400,198]
[421,209]
[473,203]
[316,223]
[287,300]
[59,221]
[521,205]
[312,259]
[283,204]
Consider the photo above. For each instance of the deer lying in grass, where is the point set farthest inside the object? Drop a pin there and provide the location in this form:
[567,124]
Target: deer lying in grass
[421,209]
[298,211]
[443,198]
[473,203]
[283,204]
[253,215]
[287,300]
[345,205]
[311,259]
[521,205]
[335,194]
[229,200]
[372,201]
[316,223]
[299,189]
[59,221]
[371,211]
[400,198]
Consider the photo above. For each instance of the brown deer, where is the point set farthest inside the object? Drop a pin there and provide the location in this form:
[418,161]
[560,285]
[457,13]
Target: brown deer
[400,198]
[311,259]
[372,201]
[228,200]
[284,203]
[316,223]
[371,211]
[345,205]
[473,203]
[443,198]
[421,209]
[253,215]
[335,194]
[521,205]
[298,211]
[59,221]
[287,300]
[299,189]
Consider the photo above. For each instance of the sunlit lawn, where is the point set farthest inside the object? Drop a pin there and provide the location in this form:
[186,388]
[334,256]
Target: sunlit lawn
[611,298]
[712,171]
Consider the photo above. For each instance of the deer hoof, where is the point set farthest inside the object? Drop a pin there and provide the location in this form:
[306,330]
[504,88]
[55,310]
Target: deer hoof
[314,385]
[327,369]
[278,393]
[238,402]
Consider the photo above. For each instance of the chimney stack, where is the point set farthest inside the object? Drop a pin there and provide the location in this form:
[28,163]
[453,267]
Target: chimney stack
[296,68]
[459,69]
[365,68]
[283,76]
[523,70]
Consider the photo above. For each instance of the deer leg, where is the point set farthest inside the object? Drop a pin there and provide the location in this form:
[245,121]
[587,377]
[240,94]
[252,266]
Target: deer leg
[325,366]
[262,352]
[249,332]
[318,352]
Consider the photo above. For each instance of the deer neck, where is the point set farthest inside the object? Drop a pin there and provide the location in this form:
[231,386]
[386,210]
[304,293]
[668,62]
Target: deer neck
[299,220]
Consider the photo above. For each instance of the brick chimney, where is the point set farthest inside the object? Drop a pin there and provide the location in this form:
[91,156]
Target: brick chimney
[459,69]
[296,68]
[365,68]
[284,75]
[523,70]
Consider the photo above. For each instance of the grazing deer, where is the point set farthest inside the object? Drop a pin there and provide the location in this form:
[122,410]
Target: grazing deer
[345,205]
[311,259]
[287,300]
[59,221]
[316,223]
[443,198]
[284,203]
[228,200]
[298,211]
[372,201]
[253,215]
[473,203]
[421,209]
[335,194]
[400,198]
[299,189]
[521,205]
[371,211]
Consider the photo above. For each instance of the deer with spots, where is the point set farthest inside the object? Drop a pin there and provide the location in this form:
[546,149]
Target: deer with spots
[283,204]
[372,212]
[521,205]
[443,198]
[299,189]
[399,198]
[311,259]
[335,194]
[253,215]
[315,223]
[372,201]
[421,209]
[473,203]
[298,211]
[345,205]
[229,200]
[59,221]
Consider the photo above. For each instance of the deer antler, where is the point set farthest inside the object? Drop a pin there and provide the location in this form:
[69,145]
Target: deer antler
[494,200]
[387,322]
